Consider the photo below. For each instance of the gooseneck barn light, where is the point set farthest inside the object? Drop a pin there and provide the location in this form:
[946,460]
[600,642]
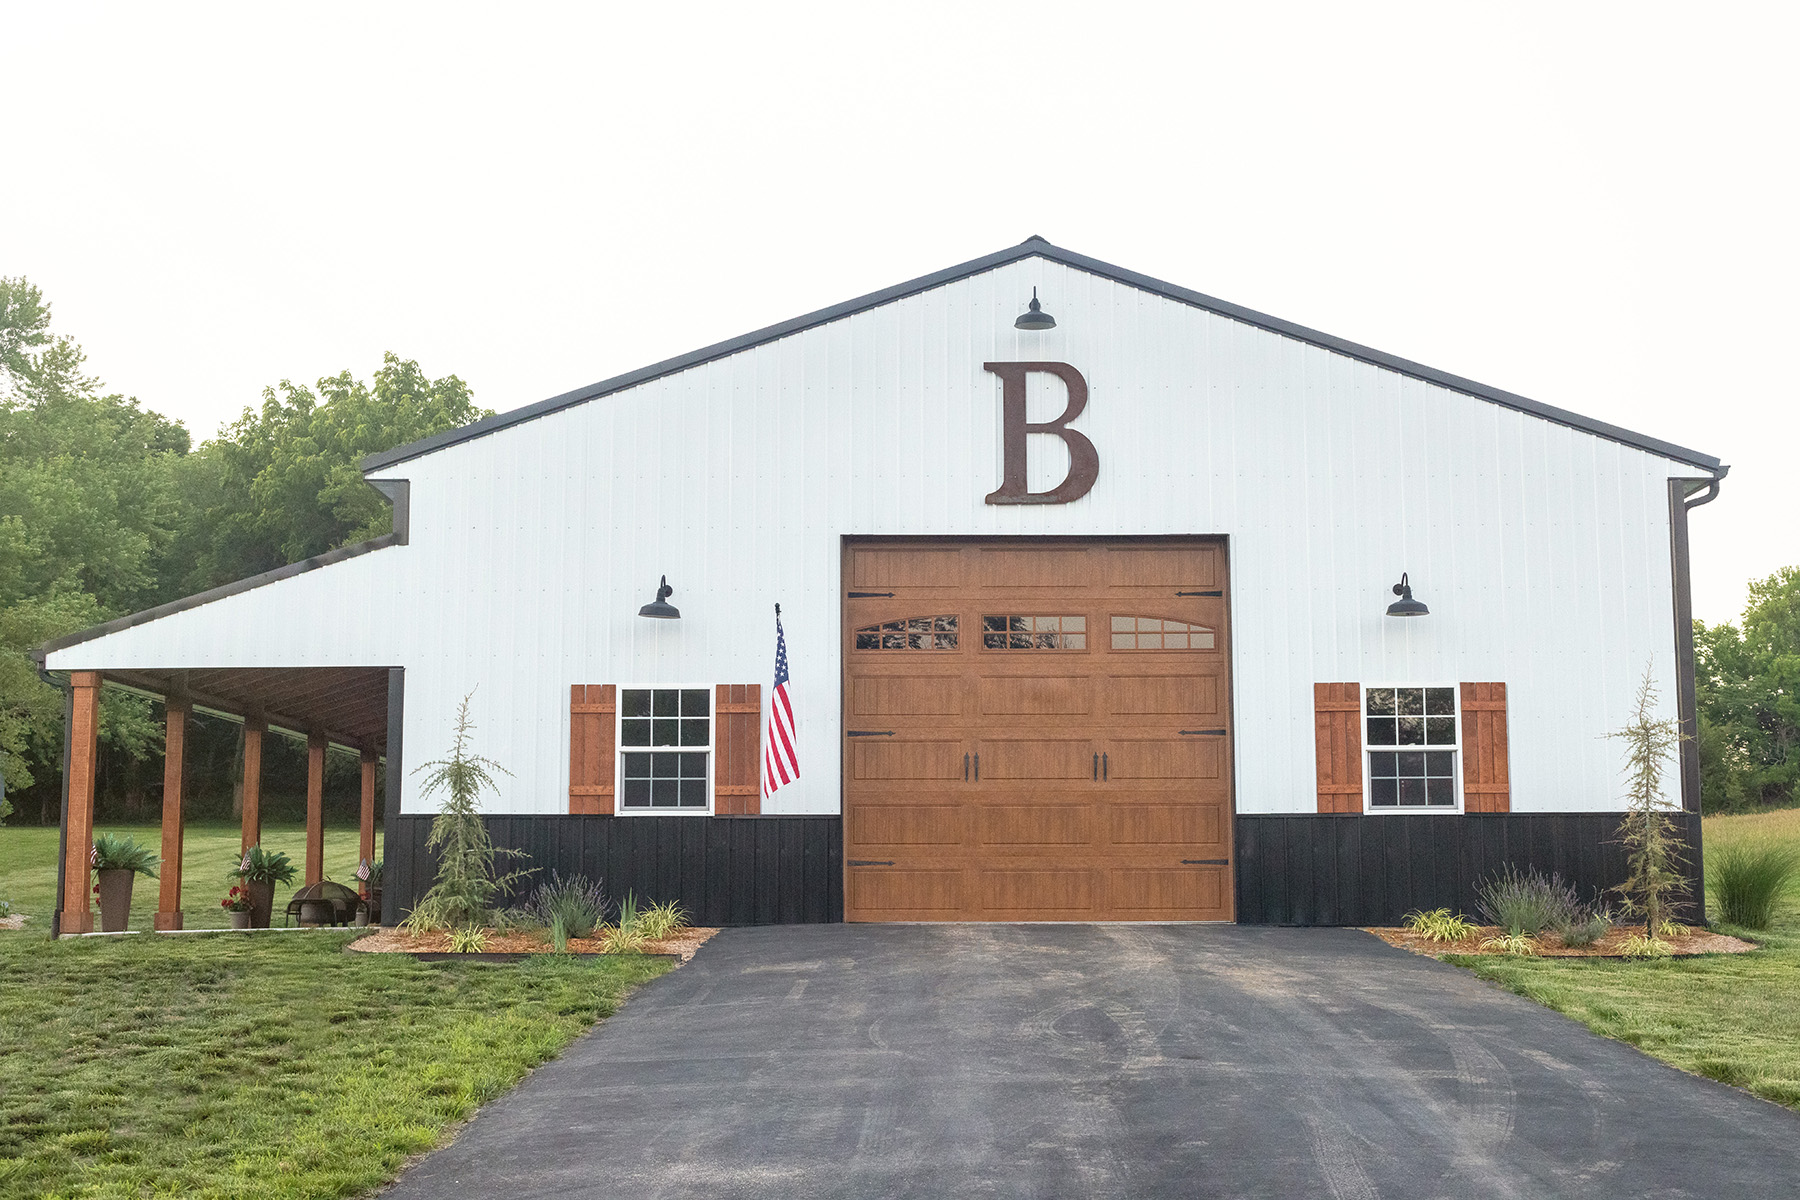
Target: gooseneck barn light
[1406,606]
[1035,317]
[660,608]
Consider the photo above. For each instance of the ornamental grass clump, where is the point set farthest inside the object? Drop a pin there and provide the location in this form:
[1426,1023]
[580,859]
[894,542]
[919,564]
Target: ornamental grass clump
[660,920]
[1527,902]
[576,904]
[1516,944]
[1439,925]
[466,887]
[1585,928]
[1749,877]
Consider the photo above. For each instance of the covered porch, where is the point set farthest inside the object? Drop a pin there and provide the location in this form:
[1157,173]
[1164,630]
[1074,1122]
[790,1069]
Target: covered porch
[355,709]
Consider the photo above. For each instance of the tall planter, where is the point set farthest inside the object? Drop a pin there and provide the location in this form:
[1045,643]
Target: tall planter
[115,899]
[262,901]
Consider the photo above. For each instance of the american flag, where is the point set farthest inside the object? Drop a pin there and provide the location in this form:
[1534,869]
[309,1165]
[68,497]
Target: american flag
[781,758]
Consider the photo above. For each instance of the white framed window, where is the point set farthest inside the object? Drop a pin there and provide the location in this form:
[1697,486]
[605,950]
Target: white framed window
[665,741]
[1411,748]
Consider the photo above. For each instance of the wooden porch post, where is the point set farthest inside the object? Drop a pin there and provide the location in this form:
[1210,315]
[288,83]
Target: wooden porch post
[254,728]
[315,808]
[168,908]
[84,753]
[367,852]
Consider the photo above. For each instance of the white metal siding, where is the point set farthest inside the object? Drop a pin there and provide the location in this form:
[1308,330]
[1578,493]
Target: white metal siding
[1542,551]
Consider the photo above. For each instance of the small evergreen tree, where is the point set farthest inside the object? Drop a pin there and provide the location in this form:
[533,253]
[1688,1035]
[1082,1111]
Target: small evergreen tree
[465,890]
[1654,879]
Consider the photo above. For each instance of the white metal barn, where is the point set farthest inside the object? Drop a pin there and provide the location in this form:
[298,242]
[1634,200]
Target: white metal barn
[1090,612]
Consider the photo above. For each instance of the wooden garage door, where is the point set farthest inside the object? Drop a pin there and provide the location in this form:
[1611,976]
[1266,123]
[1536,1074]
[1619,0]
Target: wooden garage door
[1036,731]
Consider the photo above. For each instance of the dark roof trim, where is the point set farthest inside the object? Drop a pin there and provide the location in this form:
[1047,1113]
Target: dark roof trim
[398,494]
[1039,247]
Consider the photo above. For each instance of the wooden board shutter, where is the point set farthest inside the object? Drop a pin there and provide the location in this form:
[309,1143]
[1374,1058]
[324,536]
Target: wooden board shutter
[1485,785]
[737,750]
[592,708]
[1337,730]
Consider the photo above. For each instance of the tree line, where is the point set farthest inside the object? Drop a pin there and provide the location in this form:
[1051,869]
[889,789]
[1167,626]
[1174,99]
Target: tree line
[107,508]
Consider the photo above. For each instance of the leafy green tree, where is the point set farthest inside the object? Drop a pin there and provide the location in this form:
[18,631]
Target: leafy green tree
[87,509]
[281,483]
[1748,697]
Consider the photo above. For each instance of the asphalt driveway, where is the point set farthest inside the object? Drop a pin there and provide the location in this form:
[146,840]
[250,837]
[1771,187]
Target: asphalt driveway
[1101,1060]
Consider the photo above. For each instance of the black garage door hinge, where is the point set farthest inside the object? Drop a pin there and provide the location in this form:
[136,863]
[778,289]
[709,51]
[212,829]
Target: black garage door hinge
[1177,593]
[870,595]
[1206,862]
[1203,733]
[868,733]
[870,862]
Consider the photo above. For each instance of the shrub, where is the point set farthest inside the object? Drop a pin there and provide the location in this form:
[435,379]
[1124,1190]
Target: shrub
[464,891]
[6,909]
[1748,877]
[1585,928]
[1439,925]
[580,906]
[621,939]
[1527,902]
[1639,946]
[469,940]
[660,920]
[1510,943]
[114,853]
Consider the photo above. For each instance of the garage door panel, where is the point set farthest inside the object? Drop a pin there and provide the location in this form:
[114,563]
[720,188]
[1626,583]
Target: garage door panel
[1184,759]
[1031,892]
[1182,568]
[1035,760]
[907,696]
[1173,695]
[897,893]
[884,759]
[1031,568]
[1180,826]
[1035,696]
[873,826]
[1149,892]
[905,567]
[1030,825]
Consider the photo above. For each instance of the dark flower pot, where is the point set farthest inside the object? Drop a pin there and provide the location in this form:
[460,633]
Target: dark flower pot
[115,899]
[262,901]
[375,905]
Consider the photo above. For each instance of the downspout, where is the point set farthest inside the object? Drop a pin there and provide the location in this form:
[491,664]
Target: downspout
[1686,700]
[62,841]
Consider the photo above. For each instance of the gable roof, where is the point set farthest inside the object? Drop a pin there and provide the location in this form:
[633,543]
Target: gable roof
[1035,246]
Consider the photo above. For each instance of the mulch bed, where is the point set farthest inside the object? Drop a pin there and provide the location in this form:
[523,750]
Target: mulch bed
[681,944]
[16,921]
[1696,941]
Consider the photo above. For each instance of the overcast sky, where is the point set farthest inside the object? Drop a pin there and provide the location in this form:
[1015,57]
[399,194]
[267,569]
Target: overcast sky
[1593,205]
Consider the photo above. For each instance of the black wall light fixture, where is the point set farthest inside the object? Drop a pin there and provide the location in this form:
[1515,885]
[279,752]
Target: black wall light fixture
[1406,606]
[1035,317]
[660,607]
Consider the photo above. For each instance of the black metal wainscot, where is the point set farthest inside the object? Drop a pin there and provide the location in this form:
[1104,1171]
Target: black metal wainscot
[1308,869]
[725,870]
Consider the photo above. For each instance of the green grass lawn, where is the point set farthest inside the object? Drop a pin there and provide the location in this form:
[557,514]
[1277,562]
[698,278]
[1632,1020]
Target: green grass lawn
[273,1066]
[1734,1018]
[28,869]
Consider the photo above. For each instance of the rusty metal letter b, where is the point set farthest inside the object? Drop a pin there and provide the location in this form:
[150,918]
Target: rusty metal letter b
[1084,460]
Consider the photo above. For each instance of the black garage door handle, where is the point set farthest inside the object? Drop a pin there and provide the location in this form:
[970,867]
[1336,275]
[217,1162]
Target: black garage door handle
[870,862]
[1206,862]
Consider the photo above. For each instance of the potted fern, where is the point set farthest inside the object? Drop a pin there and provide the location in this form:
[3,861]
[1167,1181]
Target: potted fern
[259,871]
[117,864]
